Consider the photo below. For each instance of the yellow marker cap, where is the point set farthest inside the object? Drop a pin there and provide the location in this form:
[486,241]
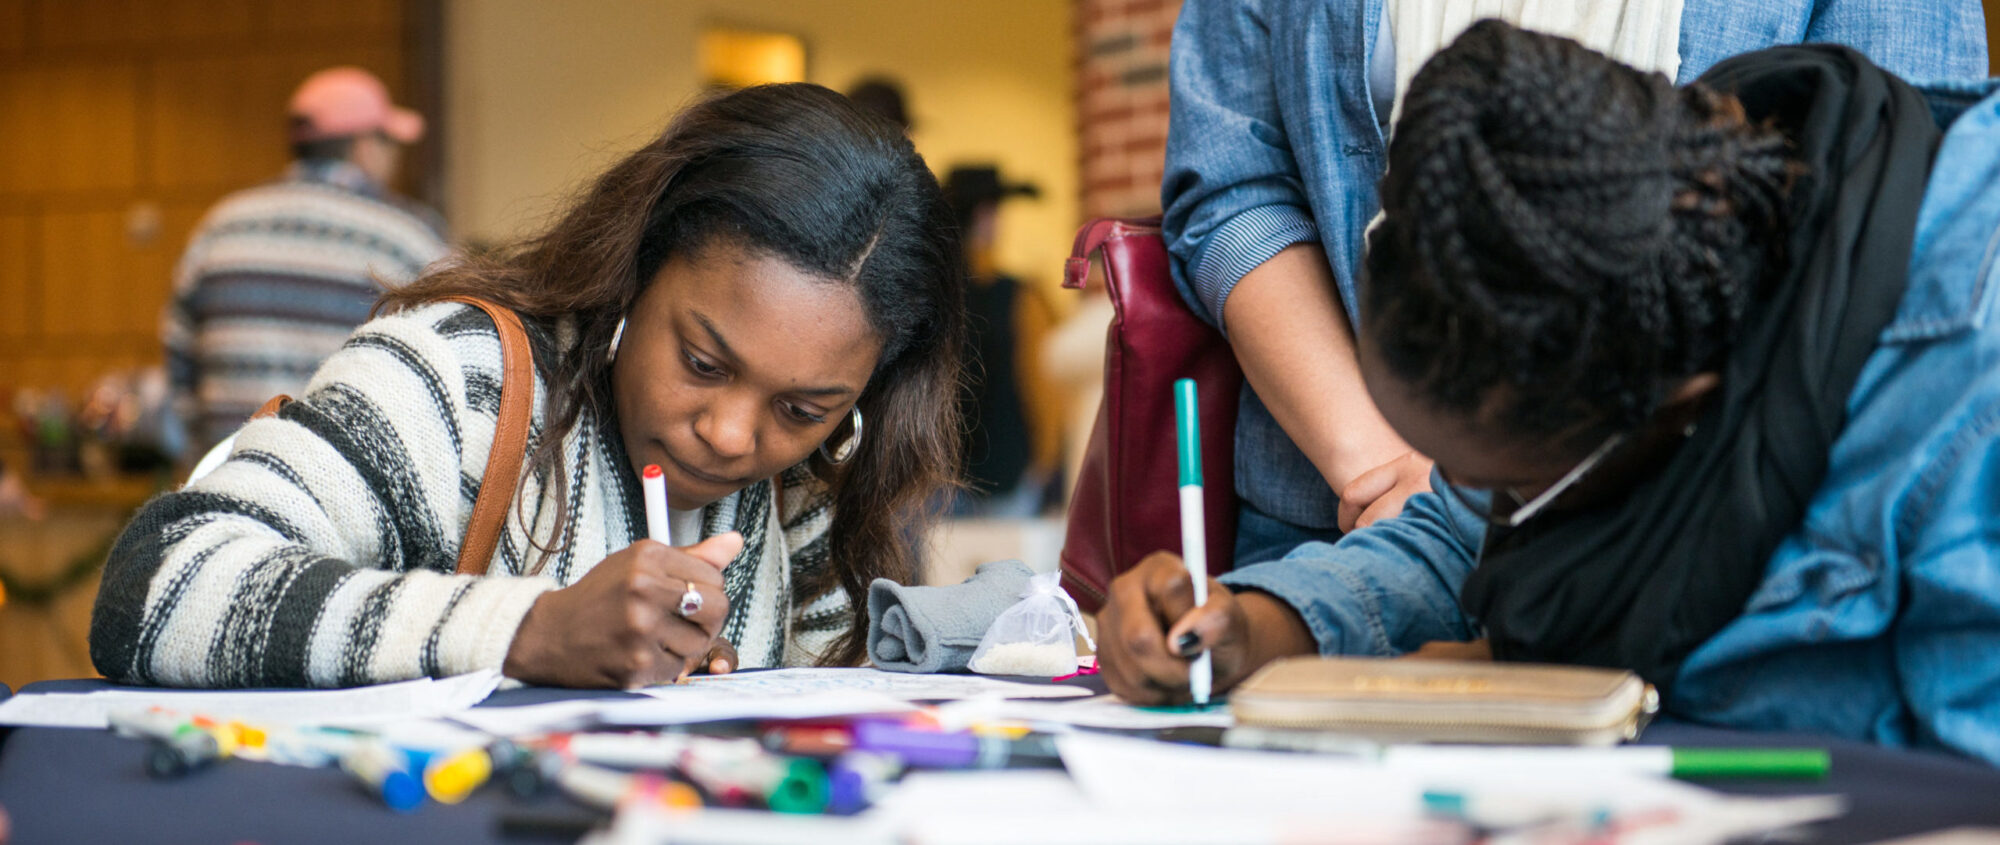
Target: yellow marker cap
[225,739]
[248,736]
[451,779]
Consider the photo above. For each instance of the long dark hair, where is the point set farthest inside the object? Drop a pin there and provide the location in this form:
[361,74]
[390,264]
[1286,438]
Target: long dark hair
[798,172]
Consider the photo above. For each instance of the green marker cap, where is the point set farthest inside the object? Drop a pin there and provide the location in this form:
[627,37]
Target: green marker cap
[1187,432]
[801,789]
[1788,763]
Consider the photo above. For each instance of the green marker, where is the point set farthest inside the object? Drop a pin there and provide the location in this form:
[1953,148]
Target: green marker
[1684,763]
[802,788]
[1787,763]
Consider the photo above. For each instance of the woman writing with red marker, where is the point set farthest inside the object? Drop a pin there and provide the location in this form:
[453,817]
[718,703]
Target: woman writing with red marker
[764,301]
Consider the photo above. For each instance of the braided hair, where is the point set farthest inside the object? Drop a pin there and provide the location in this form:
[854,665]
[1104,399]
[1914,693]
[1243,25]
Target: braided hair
[1566,237]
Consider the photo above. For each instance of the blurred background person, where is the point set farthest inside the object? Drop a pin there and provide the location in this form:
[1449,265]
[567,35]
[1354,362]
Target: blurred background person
[15,500]
[883,95]
[1000,453]
[277,276]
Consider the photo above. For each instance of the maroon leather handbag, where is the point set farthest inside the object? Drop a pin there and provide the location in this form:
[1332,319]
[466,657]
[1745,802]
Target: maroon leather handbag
[1125,505]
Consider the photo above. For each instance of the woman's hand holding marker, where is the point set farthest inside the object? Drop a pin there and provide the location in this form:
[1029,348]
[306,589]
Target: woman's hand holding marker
[620,626]
[644,616]
[1150,628]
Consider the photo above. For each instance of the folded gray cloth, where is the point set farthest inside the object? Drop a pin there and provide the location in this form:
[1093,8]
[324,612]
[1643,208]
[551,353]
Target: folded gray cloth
[936,629]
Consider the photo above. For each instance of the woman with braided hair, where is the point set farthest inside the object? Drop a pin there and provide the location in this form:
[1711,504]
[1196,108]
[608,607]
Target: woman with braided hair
[1709,375]
[1278,134]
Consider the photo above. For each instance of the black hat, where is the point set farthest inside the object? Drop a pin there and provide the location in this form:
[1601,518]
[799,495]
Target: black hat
[967,187]
[882,96]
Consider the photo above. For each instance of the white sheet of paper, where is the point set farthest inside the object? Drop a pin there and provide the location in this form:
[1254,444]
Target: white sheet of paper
[695,705]
[400,701]
[899,685]
[552,717]
[646,823]
[1120,773]
[1042,806]
[921,794]
[1139,774]
[702,705]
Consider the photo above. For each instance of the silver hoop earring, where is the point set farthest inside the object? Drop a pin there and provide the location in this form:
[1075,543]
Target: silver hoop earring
[845,451]
[617,335]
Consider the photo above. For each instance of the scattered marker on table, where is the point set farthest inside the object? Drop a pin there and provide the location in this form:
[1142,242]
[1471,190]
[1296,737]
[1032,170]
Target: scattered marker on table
[384,772]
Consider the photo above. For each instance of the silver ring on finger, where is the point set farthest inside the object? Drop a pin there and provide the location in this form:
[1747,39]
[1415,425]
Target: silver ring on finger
[690,601]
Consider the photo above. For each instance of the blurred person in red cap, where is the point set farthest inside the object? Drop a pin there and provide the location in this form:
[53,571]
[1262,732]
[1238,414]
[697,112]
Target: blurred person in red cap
[276,276]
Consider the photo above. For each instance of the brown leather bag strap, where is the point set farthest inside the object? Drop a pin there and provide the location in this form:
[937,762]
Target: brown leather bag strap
[510,438]
[271,406]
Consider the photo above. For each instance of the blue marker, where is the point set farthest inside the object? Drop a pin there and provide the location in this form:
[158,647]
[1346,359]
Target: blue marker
[385,772]
[1194,534]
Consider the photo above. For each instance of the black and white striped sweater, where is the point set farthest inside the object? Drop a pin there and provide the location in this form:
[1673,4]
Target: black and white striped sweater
[322,552]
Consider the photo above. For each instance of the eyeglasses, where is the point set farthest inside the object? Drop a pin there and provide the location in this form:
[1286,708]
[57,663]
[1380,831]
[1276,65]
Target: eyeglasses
[1526,508]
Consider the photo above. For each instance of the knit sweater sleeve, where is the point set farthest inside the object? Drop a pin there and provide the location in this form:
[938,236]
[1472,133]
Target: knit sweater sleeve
[817,621]
[322,553]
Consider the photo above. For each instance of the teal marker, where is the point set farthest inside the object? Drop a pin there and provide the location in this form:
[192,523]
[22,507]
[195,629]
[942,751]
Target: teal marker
[1194,535]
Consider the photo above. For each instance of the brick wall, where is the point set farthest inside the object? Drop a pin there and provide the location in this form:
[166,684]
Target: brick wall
[1121,103]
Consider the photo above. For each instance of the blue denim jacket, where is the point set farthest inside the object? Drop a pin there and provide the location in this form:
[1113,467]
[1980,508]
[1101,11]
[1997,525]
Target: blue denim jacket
[1879,616]
[1274,141]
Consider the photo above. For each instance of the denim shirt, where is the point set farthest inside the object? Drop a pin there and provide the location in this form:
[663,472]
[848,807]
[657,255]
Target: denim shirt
[1274,141]
[1879,616]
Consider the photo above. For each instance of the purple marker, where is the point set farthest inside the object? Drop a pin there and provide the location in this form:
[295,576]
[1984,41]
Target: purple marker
[955,750]
[856,779]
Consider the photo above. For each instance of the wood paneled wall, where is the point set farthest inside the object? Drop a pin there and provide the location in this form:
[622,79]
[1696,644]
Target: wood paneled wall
[121,121]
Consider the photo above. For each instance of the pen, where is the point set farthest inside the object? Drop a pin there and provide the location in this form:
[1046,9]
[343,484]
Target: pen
[1194,536]
[1664,761]
[1683,763]
[655,485]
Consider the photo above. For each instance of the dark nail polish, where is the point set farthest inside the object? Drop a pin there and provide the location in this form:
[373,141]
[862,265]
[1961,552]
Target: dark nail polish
[1188,644]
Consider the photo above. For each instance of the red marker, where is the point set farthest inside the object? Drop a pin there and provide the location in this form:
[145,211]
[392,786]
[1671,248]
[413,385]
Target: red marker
[655,485]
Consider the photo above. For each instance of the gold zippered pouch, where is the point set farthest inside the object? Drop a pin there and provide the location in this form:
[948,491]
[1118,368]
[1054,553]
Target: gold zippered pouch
[1405,700]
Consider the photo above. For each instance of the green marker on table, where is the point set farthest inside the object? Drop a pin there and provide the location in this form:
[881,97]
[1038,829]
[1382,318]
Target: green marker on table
[1683,763]
[1788,763]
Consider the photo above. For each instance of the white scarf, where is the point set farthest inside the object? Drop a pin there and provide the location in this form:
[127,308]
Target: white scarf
[1645,34]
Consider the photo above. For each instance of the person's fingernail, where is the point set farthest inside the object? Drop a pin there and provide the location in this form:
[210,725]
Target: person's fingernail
[720,666]
[1188,644]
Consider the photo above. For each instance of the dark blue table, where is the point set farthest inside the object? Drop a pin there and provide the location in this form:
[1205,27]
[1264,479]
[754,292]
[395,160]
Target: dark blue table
[64,785]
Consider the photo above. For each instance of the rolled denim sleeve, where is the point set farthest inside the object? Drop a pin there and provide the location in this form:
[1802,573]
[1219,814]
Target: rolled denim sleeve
[1914,39]
[1950,619]
[1383,590]
[1231,193]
